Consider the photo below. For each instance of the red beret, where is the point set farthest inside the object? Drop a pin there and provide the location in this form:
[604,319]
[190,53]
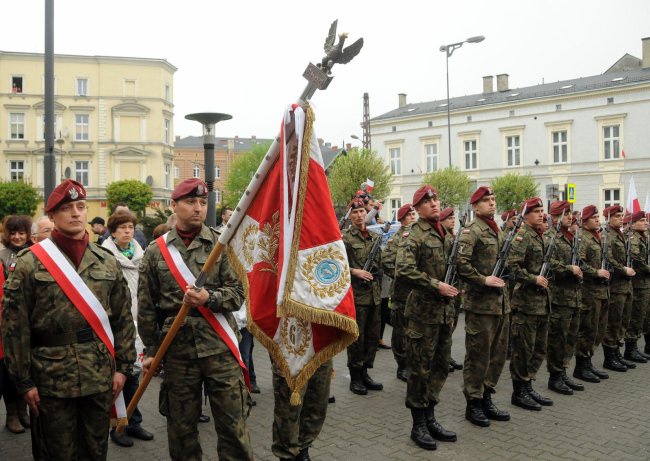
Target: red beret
[532,203]
[589,211]
[356,203]
[67,191]
[626,218]
[403,211]
[637,216]
[192,187]
[444,214]
[424,191]
[613,209]
[558,207]
[480,193]
[508,214]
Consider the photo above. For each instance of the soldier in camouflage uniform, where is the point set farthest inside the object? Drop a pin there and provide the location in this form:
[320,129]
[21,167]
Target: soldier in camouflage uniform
[64,372]
[406,216]
[487,310]
[620,293]
[197,356]
[530,305]
[366,286]
[421,263]
[593,306]
[565,296]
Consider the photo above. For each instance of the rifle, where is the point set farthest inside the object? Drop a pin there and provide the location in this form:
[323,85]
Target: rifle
[546,263]
[575,248]
[628,245]
[604,260]
[375,249]
[451,275]
[502,260]
[647,247]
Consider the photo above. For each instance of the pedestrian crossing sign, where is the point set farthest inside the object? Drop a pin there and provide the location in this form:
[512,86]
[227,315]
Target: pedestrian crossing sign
[571,193]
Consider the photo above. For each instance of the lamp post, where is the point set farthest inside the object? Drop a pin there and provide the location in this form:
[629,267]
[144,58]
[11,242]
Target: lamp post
[449,50]
[209,120]
[363,144]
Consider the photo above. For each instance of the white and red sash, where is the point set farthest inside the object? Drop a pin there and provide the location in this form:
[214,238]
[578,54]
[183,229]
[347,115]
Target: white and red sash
[184,277]
[84,300]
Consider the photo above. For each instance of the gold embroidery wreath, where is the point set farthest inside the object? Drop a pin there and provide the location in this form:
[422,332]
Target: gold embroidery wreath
[288,335]
[270,244]
[307,270]
[248,243]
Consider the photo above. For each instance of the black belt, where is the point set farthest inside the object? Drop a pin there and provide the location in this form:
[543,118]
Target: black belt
[85,335]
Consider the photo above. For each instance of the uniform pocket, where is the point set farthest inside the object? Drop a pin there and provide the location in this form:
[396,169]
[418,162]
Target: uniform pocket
[163,399]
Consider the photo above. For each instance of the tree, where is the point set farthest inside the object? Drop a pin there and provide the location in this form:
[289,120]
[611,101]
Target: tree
[513,188]
[134,193]
[241,174]
[17,198]
[149,223]
[351,170]
[453,186]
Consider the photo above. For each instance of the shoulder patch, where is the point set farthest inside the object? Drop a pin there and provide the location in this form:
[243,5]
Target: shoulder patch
[519,238]
[390,240]
[12,267]
[466,231]
[406,234]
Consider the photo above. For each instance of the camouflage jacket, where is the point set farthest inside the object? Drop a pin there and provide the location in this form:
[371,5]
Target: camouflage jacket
[591,251]
[619,282]
[641,280]
[160,298]
[34,304]
[358,248]
[563,286]
[400,291]
[525,261]
[477,256]
[421,264]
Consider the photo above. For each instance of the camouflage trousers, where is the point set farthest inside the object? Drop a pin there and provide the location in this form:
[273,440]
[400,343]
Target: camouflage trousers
[428,351]
[398,337]
[72,429]
[529,339]
[593,322]
[361,353]
[296,427]
[486,342]
[638,317]
[620,308]
[458,304]
[562,336]
[230,403]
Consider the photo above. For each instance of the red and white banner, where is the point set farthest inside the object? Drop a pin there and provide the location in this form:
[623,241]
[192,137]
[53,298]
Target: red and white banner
[370,185]
[289,252]
[633,204]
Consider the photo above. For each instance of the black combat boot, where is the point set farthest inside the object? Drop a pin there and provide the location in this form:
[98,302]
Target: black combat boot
[600,373]
[646,348]
[303,455]
[571,383]
[435,428]
[455,365]
[474,413]
[520,397]
[557,384]
[583,371]
[544,401]
[611,362]
[356,383]
[626,363]
[420,434]
[632,352]
[490,409]
[370,384]
[401,374]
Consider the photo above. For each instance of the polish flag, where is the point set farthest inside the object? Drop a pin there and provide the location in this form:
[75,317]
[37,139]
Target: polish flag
[633,204]
[370,185]
[646,208]
[623,153]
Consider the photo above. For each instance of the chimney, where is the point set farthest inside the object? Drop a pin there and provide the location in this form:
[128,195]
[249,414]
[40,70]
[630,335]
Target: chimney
[502,82]
[253,138]
[178,137]
[348,147]
[645,60]
[402,99]
[488,84]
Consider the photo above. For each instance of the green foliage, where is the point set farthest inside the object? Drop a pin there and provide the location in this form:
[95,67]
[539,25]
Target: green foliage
[513,188]
[134,193]
[453,186]
[150,222]
[349,171]
[17,198]
[241,173]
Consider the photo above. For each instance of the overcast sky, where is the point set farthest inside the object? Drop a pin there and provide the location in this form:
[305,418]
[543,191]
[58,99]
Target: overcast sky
[246,58]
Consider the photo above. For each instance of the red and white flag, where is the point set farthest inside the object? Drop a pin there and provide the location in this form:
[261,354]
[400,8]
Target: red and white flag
[289,253]
[370,185]
[633,204]
[646,208]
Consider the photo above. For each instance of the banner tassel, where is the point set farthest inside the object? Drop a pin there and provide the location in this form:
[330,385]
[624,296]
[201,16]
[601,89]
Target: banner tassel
[295,399]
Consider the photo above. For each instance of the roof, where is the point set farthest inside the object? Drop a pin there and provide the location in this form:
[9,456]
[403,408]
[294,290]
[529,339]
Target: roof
[240,144]
[329,155]
[544,90]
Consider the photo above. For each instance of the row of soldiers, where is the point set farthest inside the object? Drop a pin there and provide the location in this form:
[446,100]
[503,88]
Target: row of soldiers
[551,291]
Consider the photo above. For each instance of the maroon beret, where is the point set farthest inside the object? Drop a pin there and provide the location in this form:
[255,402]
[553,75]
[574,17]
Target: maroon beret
[613,209]
[424,191]
[508,214]
[637,216]
[558,207]
[447,212]
[403,211]
[532,203]
[626,218]
[67,191]
[589,211]
[192,187]
[480,193]
[356,203]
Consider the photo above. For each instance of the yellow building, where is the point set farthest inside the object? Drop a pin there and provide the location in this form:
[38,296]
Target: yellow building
[114,121]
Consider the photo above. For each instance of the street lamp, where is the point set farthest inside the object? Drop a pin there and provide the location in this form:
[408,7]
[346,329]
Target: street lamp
[209,120]
[449,50]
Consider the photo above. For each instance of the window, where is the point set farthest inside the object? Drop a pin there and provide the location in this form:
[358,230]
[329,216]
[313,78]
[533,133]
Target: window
[431,154]
[82,87]
[196,171]
[471,154]
[395,160]
[167,179]
[560,146]
[167,92]
[395,205]
[166,130]
[218,192]
[611,142]
[81,171]
[611,197]
[177,172]
[16,170]
[16,126]
[81,127]
[513,148]
[129,88]
[16,84]
[217,172]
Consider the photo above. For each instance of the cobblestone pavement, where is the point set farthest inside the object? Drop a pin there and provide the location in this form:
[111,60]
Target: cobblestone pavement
[609,421]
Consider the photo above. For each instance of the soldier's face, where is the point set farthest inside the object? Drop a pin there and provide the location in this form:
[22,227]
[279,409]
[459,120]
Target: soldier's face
[225,217]
[190,212]
[410,217]
[487,206]
[567,220]
[616,220]
[535,217]
[70,218]
[358,217]
[592,223]
[429,208]
[641,225]
[449,223]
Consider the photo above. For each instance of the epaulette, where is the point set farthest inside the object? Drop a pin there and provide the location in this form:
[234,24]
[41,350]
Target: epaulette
[466,230]
[519,238]
[406,233]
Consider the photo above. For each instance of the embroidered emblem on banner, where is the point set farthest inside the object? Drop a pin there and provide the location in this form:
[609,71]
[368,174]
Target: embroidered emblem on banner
[269,243]
[249,241]
[295,335]
[326,271]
